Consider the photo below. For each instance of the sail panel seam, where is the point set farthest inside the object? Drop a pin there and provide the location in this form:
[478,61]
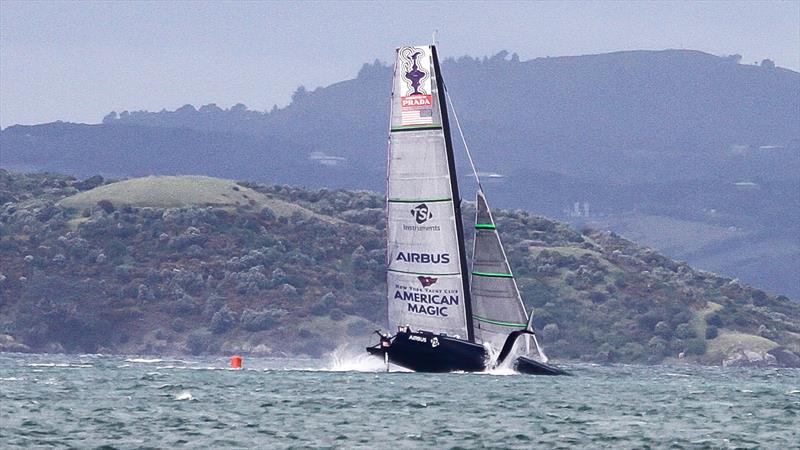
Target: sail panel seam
[424,273]
[498,322]
[423,200]
[415,128]
[493,274]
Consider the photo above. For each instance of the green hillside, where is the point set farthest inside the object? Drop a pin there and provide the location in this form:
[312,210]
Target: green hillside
[171,265]
[179,192]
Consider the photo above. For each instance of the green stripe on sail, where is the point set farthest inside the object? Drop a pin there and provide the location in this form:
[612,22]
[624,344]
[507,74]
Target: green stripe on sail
[422,200]
[497,322]
[493,274]
[488,226]
[417,128]
[422,273]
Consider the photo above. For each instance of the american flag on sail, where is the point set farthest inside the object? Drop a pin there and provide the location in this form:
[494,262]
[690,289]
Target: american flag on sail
[416,110]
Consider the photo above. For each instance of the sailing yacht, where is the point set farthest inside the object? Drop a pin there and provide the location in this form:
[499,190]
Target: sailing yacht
[447,317]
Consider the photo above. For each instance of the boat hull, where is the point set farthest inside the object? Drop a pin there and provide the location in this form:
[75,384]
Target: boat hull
[423,351]
[533,367]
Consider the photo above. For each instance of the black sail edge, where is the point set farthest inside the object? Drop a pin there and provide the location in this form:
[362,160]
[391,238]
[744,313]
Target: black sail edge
[462,254]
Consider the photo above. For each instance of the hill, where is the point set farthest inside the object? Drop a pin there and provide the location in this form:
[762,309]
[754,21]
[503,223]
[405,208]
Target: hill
[181,192]
[647,140]
[168,192]
[134,276]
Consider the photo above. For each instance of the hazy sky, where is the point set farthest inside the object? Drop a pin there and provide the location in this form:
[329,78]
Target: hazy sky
[78,61]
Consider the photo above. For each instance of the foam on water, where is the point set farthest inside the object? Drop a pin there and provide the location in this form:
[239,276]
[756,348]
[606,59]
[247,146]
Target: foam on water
[184,395]
[64,365]
[12,379]
[504,369]
[144,360]
[347,359]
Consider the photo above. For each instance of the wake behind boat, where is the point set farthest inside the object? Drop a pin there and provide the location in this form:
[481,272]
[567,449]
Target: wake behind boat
[447,317]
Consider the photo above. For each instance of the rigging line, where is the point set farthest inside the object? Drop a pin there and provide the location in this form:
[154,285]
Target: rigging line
[461,133]
[480,189]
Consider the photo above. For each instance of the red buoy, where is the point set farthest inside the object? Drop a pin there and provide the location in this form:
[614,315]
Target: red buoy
[236,362]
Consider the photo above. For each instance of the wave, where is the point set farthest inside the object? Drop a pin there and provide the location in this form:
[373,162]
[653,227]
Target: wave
[184,395]
[75,366]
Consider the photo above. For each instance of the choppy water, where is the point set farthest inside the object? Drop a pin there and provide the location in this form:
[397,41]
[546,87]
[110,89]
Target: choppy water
[94,400]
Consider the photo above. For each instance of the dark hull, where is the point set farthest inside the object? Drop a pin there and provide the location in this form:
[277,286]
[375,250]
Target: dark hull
[533,367]
[422,351]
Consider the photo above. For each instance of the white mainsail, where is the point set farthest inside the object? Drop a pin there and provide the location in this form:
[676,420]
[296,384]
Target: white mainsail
[427,288]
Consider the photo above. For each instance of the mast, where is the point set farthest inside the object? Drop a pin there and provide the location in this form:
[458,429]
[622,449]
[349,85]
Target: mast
[456,196]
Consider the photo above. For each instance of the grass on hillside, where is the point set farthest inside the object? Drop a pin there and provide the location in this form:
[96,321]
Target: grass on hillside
[181,192]
[728,341]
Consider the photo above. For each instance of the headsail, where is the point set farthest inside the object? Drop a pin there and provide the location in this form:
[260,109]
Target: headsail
[498,307]
[427,288]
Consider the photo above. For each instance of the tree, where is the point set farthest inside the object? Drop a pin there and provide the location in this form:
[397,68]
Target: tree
[685,331]
[299,93]
[662,329]
[106,206]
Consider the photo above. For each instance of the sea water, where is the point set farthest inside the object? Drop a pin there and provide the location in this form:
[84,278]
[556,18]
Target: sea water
[349,401]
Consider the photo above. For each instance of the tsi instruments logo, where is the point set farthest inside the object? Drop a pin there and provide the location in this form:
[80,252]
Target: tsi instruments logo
[421,214]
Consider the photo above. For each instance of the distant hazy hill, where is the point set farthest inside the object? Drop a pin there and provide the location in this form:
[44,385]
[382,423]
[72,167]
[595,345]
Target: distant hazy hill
[626,117]
[155,268]
[655,144]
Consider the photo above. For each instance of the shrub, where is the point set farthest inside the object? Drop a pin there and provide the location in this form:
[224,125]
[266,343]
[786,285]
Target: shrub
[695,346]
[106,206]
[685,331]
[650,319]
[186,306]
[324,305]
[663,329]
[198,342]
[116,248]
[222,321]
[267,214]
[598,297]
[759,298]
[260,320]
[711,332]
[714,319]
[178,325]
[658,346]
[632,351]
[680,317]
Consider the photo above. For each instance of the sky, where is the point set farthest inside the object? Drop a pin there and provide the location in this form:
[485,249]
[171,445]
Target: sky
[77,61]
